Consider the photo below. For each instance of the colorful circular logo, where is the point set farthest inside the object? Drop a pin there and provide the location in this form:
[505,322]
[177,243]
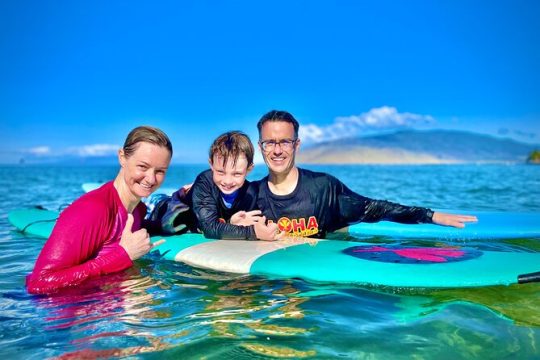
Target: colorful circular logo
[285,224]
[411,254]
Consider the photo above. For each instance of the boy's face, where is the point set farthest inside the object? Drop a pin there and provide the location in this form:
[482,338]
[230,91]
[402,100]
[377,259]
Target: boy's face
[229,177]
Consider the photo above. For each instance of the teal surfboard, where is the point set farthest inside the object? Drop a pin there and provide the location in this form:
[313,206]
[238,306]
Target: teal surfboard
[332,260]
[490,225]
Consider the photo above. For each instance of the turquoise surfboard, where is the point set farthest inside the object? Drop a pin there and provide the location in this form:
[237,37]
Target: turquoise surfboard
[331,260]
[490,225]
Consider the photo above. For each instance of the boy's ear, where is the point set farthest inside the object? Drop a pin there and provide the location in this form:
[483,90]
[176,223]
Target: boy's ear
[210,162]
[250,167]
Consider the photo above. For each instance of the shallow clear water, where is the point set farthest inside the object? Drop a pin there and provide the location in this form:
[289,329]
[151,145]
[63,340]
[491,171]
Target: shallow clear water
[161,309]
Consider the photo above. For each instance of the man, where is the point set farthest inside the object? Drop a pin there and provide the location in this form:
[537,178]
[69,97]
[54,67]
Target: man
[307,203]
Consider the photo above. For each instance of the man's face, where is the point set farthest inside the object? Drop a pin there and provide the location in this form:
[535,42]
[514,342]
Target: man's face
[278,146]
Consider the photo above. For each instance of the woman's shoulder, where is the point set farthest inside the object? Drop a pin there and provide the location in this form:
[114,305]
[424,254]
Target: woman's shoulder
[95,203]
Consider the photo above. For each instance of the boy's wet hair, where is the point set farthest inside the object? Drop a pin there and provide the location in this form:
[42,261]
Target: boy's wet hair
[278,115]
[146,134]
[232,144]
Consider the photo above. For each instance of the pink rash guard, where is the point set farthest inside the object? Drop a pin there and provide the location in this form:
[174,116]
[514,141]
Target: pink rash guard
[85,242]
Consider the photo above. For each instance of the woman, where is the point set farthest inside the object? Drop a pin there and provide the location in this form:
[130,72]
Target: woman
[100,233]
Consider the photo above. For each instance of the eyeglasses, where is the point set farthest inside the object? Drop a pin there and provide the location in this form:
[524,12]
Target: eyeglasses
[285,144]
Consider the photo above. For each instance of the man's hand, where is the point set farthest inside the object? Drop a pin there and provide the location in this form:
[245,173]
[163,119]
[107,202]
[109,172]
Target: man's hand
[454,220]
[268,232]
[136,243]
[246,218]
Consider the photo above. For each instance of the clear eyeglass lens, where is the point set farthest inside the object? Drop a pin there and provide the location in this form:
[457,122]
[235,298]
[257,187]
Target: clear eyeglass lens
[286,144]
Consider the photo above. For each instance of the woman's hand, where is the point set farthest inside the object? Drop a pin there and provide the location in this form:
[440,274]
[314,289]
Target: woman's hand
[136,243]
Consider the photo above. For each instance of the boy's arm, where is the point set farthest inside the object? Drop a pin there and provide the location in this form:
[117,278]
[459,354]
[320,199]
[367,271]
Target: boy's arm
[205,206]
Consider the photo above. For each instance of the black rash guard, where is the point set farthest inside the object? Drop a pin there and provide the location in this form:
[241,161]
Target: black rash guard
[321,203]
[212,214]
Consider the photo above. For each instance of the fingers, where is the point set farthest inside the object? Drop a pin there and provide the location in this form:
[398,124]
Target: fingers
[253,213]
[157,243]
[129,224]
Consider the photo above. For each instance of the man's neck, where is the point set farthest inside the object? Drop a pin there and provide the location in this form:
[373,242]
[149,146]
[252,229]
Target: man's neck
[283,184]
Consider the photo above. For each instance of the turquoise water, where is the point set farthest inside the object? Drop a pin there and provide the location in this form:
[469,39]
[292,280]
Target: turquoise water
[161,309]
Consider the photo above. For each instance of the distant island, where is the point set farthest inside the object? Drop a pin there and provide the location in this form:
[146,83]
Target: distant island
[534,157]
[418,147]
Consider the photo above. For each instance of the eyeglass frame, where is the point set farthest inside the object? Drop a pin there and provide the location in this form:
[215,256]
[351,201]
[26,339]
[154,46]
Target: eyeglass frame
[289,142]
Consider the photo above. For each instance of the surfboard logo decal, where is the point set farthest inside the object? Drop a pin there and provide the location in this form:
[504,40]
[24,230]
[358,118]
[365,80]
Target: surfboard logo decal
[412,254]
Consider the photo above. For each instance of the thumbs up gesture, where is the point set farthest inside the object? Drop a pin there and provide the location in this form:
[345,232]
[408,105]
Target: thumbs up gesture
[136,243]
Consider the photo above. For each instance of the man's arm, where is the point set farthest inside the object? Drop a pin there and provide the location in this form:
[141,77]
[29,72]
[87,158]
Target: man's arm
[354,208]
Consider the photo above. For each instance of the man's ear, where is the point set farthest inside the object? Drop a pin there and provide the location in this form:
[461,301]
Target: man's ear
[297,144]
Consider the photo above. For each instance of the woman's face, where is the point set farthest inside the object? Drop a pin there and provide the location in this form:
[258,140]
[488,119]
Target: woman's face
[145,169]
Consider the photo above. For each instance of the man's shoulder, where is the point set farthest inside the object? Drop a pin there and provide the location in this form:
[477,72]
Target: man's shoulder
[316,176]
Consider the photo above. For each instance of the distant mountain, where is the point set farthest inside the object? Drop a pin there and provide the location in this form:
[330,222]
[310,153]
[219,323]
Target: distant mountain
[417,147]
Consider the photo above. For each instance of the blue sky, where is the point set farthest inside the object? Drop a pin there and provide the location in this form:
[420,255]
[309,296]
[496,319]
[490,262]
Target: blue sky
[77,76]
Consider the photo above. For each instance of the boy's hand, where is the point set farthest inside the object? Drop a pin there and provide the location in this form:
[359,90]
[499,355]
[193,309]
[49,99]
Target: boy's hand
[246,218]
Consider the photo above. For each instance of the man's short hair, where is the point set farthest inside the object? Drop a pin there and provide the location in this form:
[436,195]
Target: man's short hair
[232,144]
[278,115]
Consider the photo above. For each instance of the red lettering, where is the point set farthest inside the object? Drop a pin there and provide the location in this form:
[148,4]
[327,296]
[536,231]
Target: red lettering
[312,223]
[298,224]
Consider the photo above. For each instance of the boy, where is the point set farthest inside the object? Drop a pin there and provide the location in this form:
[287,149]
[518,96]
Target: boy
[221,203]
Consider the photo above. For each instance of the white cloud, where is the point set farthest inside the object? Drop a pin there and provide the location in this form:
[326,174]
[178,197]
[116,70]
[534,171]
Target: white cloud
[381,118]
[95,150]
[39,150]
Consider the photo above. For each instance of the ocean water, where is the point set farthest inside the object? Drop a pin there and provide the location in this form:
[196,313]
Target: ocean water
[167,310]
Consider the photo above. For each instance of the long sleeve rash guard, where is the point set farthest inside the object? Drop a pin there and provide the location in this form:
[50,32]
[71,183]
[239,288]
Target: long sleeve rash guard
[321,203]
[85,242]
[213,216]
